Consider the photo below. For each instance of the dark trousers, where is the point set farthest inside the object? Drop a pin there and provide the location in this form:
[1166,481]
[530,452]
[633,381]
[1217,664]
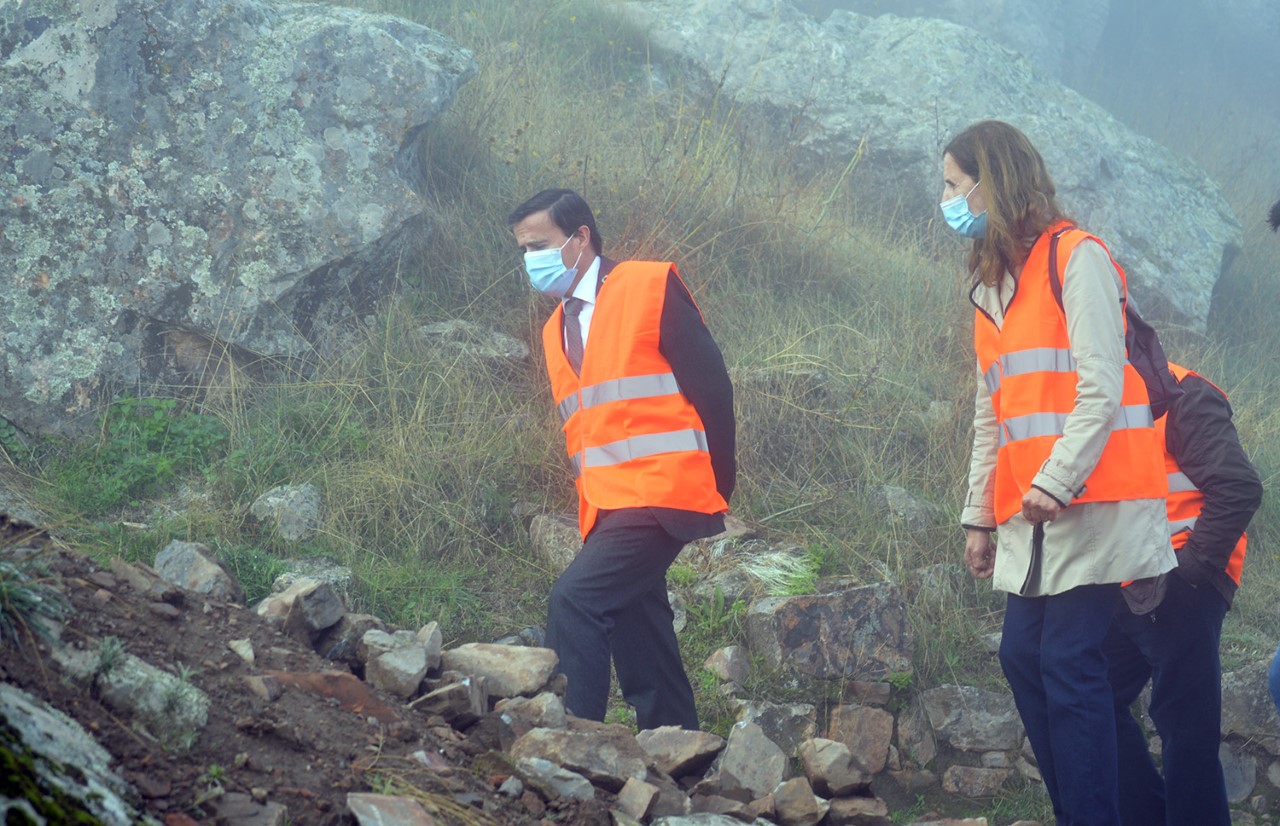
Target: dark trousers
[1176,647]
[1273,678]
[611,602]
[1051,653]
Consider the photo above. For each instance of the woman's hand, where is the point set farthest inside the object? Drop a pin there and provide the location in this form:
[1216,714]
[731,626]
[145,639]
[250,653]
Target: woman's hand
[1038,506]
[980,552]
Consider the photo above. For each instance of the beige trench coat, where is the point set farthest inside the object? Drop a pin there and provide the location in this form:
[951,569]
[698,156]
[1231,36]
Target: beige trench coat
[1089,543]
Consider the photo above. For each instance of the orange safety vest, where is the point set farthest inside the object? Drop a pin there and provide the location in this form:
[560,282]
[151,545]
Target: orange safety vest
[1029,370]
[633,438]
[1185,499]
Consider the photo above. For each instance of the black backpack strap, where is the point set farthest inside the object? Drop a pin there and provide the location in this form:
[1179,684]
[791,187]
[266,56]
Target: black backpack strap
[1055,280]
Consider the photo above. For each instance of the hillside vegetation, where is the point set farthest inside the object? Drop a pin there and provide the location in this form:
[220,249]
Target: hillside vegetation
[847,334]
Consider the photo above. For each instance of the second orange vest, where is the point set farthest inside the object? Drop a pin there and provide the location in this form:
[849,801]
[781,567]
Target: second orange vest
[633,438]
[1029,370]
[1185,499]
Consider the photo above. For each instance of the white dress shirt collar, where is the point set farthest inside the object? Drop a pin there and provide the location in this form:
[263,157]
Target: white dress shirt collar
[586,288]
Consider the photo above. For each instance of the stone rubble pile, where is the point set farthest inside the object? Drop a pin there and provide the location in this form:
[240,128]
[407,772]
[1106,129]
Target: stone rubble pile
[873,741]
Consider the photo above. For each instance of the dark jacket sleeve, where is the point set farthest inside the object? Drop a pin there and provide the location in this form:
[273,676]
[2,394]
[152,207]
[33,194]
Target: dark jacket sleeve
[1204,442]
[696,362]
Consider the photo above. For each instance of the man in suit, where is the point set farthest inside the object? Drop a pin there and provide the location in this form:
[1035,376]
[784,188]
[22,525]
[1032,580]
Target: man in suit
[647,409]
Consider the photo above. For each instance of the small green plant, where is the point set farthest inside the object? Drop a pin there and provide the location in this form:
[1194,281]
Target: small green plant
[25,601]
[11,442]
[682,576]
[215,775]
[142,445]
[621,714]
[911,813]
[253,568]
[715,619]
[187,741]
[110,655]
[900,680]
[175,694]
[213,782]
[900,683]
[380,783]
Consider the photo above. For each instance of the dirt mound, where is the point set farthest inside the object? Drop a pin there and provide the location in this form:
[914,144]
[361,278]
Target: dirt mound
[304,737]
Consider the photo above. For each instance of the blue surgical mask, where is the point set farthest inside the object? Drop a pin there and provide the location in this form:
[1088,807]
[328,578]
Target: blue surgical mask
[547,272]
[961,219]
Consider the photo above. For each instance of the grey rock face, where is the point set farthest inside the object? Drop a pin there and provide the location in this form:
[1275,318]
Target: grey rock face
[555,540]
[195,566]
[172,709]
[971,781]
[679,752]
[476,341]
[786,725]
[604,754]
[730,664]
[973,719]
[831,767]
[1247,708]
[293,511]
[751,762]
[796,803]
[57,742]
[371,809]
[885,89]
[1240,771]
[555,781]
[509,670]
[867,732]
[156,185]
[1059,37]
[857,633]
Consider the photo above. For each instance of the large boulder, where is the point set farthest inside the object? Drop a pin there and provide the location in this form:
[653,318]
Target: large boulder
[888,92]
[188,183]
[1060,38]
[857,633]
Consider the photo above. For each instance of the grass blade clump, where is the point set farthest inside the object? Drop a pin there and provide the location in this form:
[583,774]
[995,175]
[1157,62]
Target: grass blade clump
[26,600]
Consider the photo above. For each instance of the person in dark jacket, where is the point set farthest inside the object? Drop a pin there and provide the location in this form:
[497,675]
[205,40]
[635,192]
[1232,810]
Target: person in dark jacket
[1214,492]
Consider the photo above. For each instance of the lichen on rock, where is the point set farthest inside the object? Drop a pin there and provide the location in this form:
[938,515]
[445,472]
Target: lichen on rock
[193,165]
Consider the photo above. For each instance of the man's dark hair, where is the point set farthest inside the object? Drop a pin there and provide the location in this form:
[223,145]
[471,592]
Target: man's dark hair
[567,209]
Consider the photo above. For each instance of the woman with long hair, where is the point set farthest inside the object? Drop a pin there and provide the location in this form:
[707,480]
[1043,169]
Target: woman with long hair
[1067,485]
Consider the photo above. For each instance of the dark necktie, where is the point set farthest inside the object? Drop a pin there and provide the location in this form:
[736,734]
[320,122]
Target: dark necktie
[573,332]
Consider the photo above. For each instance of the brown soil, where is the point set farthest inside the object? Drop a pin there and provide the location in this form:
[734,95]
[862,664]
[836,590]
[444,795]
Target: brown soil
[306,749]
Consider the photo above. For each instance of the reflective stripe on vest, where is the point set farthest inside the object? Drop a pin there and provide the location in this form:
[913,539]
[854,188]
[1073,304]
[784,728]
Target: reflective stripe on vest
[992,378]
[1037,360]
[1051,424]
[629,387]
[1180,525]
[1179,483]
[638,447]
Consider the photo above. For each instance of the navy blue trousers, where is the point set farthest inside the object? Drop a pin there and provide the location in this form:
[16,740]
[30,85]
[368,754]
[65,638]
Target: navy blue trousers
[1176,647]
[1051,653]
[611,603]
[1273,679]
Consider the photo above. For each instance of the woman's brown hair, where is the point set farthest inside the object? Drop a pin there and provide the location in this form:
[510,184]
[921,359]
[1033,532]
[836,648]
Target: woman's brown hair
[1018,190]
